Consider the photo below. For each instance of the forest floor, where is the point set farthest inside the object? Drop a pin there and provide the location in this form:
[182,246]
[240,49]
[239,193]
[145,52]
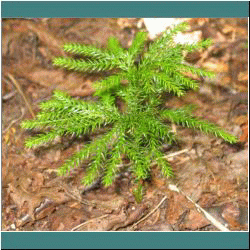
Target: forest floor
[211,176]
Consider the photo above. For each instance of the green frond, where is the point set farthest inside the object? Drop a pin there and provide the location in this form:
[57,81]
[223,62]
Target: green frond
[99,145]
[108,100]
[183,26]
[199,45]
[164,82]
[196,71]
[163,164]
[29,124]
[166,42]
[73,116]
[183,118]
[138,192]
[93,171]
[166,168]
[86,50]
[137,44]
[141,168]
[140,157]
[111,168]
[148,129]
[43,138]
[185,81]
[63,101]
[114,47]
[85,65]
[137,129]
[109,83]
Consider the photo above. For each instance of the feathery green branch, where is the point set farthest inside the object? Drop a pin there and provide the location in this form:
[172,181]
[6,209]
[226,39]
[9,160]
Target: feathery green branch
[129,106]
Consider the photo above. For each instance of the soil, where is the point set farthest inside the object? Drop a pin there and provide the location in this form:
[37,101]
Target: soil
[211,176]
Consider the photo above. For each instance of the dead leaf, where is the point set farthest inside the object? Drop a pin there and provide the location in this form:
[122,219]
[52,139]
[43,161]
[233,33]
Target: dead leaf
[47,38]
[177,205]
[228,29]
[207,200]
[20,197]
[216,66]
[37,181]
[65,218]
[241,120]
[231,214]
[73,83]
[244,136]
[195,220]
[133,216]
[243,76]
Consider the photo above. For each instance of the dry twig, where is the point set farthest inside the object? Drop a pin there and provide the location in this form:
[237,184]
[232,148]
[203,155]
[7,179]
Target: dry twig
[215,222]
[86,222]
[14,121]
[8,96]
[151,212]
[176,153]
[22,94]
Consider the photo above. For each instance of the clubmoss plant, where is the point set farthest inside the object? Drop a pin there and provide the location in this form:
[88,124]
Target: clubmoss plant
[141,77]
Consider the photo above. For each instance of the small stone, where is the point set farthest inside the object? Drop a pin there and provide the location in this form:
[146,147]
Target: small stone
[13,226]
